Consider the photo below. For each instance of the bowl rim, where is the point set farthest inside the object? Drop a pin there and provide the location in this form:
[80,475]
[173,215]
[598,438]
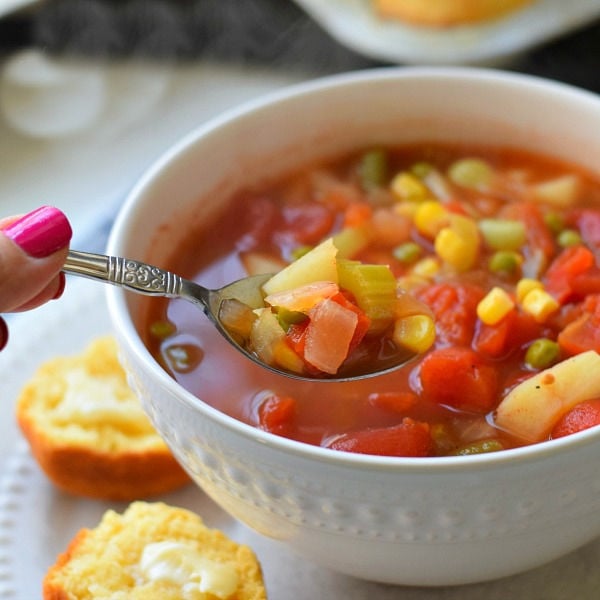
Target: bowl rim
[126,332]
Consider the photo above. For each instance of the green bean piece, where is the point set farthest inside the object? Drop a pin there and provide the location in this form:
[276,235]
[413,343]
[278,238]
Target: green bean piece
[373,169]
[407,253]
[504,261]
[480,447]
[542,353]
[568,238]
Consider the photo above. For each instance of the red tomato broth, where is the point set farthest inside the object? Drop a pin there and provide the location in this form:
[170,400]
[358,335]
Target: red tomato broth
[314,203]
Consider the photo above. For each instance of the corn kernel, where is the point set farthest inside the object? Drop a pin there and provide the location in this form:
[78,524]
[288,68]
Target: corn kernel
[458,244]
[406,209]
[415,332]
[539,304]
[427,267]
[525,285]
[405,186]
[430,217]
[286,358]
[495,305]
[412,282]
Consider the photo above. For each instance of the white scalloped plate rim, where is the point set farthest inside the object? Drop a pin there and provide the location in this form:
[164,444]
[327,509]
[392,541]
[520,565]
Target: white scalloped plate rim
[354,24]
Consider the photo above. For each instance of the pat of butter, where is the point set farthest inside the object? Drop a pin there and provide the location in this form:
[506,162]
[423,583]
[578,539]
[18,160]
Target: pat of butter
[98,401]
[186,567]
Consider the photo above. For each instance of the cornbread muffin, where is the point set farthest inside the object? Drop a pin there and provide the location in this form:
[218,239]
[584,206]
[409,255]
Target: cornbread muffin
[442,13]
[88,432]
[154,552]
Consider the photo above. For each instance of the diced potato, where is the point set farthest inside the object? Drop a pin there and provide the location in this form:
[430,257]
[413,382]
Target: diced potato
[319,264]
[534,406]
[561,192]
[258,263]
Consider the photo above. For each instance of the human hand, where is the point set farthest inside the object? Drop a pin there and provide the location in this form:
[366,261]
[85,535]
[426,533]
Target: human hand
[33,249]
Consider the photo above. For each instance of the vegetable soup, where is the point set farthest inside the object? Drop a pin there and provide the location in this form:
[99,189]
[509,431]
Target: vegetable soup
[493,251]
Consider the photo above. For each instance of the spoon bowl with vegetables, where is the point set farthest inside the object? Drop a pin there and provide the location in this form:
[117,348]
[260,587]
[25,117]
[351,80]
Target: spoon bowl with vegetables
[360,327]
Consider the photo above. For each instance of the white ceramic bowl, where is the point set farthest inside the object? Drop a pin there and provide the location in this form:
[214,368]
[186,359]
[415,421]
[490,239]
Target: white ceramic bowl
[423,521]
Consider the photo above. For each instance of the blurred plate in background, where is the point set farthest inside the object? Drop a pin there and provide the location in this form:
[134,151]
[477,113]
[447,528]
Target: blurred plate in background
[355,24]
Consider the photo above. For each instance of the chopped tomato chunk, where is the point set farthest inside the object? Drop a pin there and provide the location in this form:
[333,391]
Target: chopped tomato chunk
[308,223]
[454,308]
[583,416]
[562,274]
[459,377]
[409,438]
[277,414]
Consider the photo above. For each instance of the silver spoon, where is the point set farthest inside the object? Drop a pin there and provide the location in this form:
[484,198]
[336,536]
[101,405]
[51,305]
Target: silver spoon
[149,280]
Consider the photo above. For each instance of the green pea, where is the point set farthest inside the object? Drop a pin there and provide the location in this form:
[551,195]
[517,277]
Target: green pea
[568,237]
[407,253]
[542,353]
[555,222]
[162,329]
[421,169]
[287,317]
[504,261]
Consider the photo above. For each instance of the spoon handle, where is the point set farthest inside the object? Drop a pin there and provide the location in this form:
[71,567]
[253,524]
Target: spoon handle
[124,272]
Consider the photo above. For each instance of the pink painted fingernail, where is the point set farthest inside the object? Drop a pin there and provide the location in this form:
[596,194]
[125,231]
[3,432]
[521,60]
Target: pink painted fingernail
[3,333]
[41,232]
[62,282]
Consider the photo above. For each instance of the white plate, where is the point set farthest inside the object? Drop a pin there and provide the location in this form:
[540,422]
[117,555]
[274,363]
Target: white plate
[37,521]
[354,24]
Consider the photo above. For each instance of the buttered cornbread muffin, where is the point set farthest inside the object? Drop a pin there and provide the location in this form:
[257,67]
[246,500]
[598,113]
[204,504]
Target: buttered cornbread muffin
[88,432]
[443,13]
[154,552]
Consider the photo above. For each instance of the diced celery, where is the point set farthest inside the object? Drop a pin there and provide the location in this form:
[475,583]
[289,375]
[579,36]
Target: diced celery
[373,169]
[374,289]
[351,240]
[503,234]
[265,334]
[471,173]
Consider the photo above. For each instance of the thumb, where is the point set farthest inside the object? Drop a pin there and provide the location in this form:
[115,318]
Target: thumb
[32,251]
